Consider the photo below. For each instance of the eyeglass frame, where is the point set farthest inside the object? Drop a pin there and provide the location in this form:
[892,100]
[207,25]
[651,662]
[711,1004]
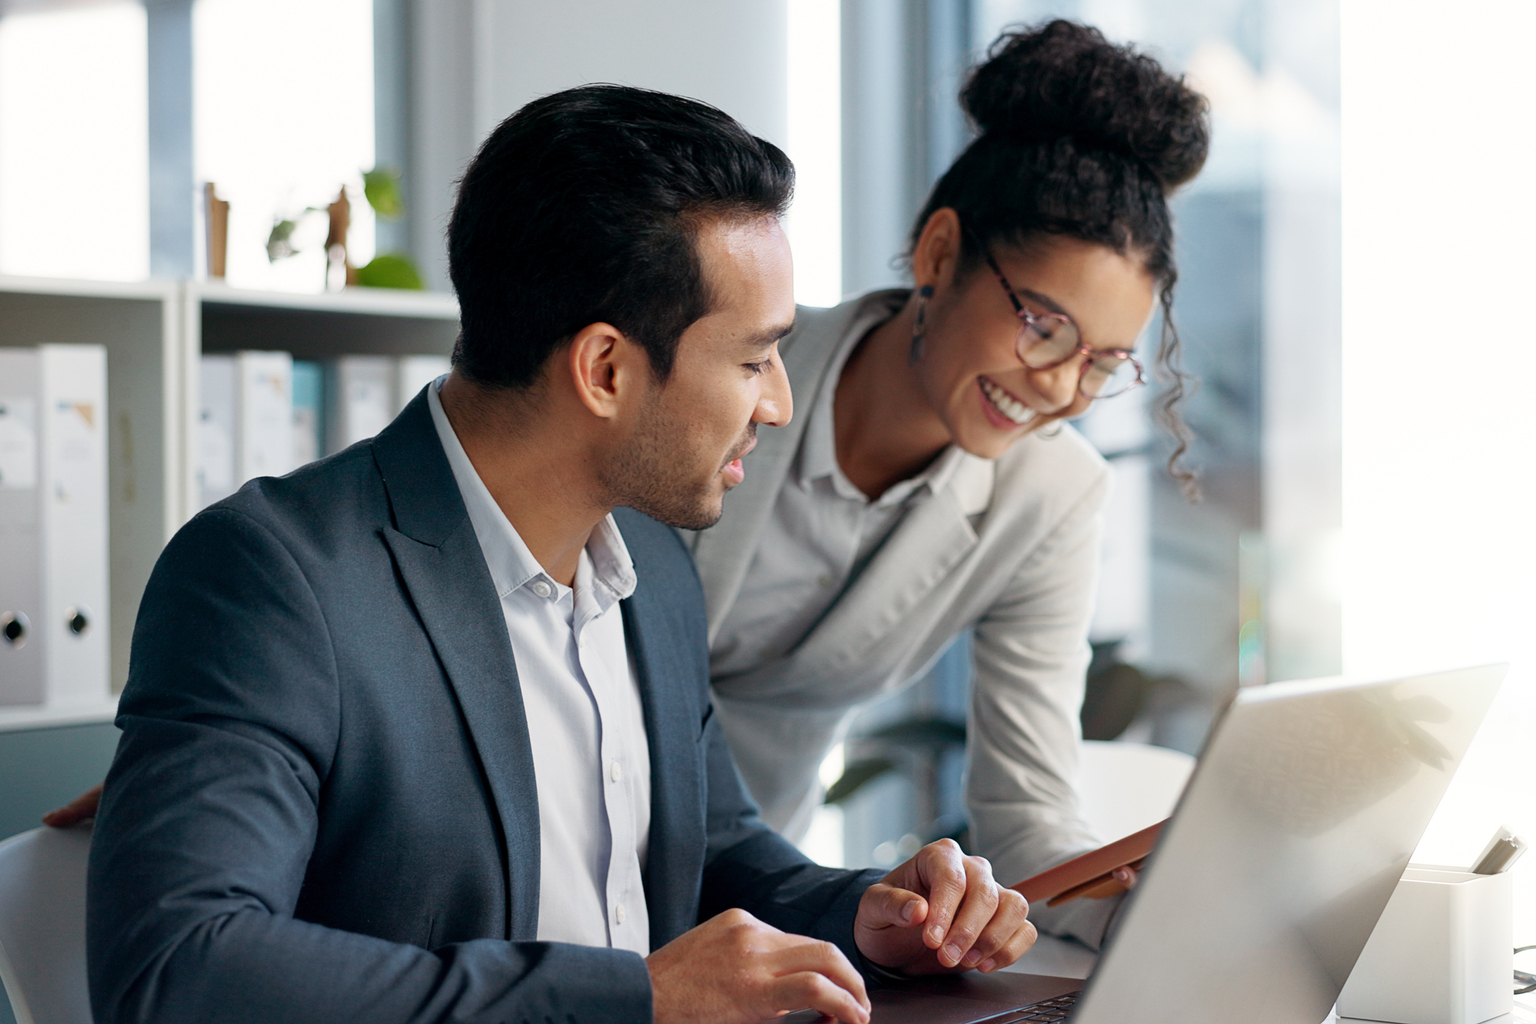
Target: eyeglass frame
[1029,319]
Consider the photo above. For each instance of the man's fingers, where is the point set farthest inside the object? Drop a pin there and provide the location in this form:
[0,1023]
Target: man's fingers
[811,990]
[894,905]
[976,911]
[1017,945]
[941,866]
[808,956]
[1009,917]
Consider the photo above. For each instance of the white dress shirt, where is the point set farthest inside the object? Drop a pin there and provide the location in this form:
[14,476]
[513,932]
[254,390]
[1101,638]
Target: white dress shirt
[591,758]
[822,532]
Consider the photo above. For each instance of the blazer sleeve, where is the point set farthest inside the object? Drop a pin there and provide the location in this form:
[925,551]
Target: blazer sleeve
[230,722]
[1031,656]
[749,866]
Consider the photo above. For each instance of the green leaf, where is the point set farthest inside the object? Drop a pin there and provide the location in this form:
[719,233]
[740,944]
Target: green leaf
[390,270]
[280,241]
[856,776]
[381,186]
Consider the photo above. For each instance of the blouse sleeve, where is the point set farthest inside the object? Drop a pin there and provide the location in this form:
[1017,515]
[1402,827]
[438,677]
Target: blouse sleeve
[1031,657]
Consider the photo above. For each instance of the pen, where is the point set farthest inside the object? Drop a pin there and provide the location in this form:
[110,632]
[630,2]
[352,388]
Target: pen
[1500,854]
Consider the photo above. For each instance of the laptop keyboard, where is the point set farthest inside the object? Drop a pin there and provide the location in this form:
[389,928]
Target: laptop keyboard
[1037,1013]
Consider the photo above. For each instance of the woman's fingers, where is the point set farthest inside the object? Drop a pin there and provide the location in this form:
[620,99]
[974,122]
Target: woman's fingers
[81,808]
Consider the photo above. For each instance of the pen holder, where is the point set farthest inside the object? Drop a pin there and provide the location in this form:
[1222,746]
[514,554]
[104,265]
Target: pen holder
[1442,952]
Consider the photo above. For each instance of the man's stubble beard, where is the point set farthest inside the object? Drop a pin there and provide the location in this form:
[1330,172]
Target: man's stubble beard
[649,476]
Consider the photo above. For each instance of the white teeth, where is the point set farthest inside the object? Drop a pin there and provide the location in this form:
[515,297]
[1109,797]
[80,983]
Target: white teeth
[1009,406]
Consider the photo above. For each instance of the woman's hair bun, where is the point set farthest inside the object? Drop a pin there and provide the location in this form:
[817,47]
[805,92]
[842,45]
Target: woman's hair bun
[1063,80]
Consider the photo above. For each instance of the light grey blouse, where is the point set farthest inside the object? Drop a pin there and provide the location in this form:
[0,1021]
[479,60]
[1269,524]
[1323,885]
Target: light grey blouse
[822,531]
[821,601]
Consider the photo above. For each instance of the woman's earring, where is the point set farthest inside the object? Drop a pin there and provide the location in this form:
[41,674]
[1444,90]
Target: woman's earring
[918,328]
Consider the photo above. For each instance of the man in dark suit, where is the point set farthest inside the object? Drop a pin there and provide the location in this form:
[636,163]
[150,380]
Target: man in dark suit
[421,732]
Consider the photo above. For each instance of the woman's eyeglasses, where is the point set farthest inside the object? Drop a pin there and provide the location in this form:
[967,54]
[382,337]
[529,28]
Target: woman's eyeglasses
[1048,340]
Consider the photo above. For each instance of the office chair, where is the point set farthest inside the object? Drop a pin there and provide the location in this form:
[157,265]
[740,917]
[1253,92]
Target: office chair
[42,925]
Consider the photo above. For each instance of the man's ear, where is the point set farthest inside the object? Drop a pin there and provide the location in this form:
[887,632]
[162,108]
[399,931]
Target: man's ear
[605,367]
[937,252]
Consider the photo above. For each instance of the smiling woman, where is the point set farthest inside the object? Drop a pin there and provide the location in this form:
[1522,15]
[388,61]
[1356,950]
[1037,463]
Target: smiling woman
[929,486]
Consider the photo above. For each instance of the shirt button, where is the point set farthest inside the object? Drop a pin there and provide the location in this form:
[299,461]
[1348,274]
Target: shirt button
[618,913]
[615,772]
[541,588]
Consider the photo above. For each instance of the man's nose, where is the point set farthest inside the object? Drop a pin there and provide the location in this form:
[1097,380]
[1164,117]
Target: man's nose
[775,404]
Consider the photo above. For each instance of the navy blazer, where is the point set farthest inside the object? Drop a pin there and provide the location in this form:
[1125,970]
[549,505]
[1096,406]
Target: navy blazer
[323,806]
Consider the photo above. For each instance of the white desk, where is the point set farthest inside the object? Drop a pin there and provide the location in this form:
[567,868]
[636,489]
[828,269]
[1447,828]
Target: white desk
[1066,958]
[1058,958]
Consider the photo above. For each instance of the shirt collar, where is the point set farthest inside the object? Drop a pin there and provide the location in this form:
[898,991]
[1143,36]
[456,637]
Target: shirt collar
[818,452]
[511,564]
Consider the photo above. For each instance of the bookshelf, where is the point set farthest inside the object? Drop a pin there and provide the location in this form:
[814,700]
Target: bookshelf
[154,333]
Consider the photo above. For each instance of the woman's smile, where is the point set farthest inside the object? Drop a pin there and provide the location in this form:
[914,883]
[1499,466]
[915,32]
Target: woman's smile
[1003,409]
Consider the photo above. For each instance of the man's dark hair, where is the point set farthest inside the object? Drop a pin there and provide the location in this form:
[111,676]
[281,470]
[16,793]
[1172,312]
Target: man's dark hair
[583,207]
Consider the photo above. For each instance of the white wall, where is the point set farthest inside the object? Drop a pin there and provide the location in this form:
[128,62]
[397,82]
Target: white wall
[727,52]
[479,60]
[1439,418]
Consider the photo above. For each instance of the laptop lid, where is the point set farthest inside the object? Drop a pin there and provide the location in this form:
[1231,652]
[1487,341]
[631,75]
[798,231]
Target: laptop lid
[1301,815]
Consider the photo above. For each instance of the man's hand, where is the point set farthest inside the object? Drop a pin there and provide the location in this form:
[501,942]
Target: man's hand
[734,969]
[81,808]
[941,912]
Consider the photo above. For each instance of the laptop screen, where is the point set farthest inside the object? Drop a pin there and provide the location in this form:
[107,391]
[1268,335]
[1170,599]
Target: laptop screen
[1302,814]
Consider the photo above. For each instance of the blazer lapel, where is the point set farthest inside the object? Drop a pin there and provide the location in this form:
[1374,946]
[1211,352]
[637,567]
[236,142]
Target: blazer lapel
[930,540]
[443,570]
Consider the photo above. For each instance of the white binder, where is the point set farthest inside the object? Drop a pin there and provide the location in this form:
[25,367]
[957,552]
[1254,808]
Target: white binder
[54,630]
[21,570]
[216,417]
[264,434]
[245,420]
[360,399]
[73,490]
[412,373]
[308,412]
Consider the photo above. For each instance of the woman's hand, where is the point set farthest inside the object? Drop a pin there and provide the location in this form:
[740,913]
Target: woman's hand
[81,808]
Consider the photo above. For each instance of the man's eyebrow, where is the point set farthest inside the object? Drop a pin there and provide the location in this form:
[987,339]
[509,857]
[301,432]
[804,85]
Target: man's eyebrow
[763,339]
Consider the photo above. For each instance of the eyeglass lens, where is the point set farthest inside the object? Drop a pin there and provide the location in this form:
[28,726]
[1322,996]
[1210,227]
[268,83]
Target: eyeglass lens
[1048,340]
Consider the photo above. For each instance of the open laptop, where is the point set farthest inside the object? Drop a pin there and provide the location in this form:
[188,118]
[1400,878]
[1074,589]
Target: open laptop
[1302,813]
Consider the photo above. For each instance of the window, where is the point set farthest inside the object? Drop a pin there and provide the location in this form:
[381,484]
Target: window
[74,173]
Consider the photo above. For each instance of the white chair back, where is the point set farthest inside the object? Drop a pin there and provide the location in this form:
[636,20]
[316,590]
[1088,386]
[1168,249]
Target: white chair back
[1124,787]
[42,925]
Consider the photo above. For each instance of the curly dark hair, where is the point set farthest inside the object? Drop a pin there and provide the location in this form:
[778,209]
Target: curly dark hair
[1082,138]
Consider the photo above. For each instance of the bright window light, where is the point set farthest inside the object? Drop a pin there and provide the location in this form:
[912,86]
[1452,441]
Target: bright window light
[1439,556]
[815,222]
[284,112]
[74,163]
